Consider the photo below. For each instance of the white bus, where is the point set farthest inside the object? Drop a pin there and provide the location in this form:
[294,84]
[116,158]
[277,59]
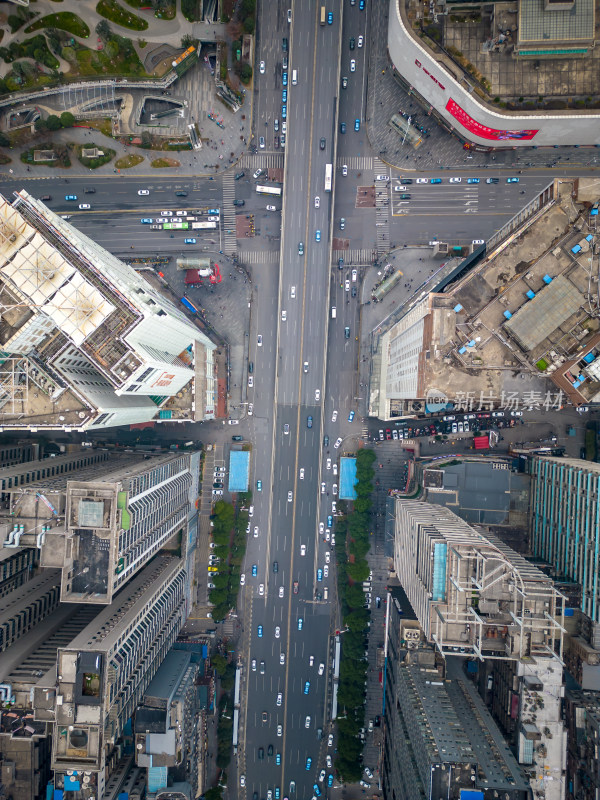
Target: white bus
[203,225]
[269,190]
[328,176]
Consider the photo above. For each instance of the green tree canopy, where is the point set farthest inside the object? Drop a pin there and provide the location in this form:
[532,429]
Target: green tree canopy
[53,122]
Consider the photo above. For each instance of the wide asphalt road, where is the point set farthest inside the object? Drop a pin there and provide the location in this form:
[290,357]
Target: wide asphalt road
[295,627]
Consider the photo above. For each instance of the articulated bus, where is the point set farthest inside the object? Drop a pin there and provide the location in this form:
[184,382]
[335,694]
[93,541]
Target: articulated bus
[328,176]
[269,190]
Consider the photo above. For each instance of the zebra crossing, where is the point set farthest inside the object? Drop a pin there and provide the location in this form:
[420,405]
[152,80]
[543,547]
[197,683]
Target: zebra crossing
[356,162]
[262,160]
[258,256]
[382,208]
[355,258]
[228,215]
[365,433]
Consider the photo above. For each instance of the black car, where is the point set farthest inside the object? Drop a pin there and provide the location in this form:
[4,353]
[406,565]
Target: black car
[407,180]
[89,190]
[180,194]
[217,485]
[284,44]
[46,197]
[309,422]
[251,367]
[270,750]
[239,175]
[404,197]
[237,438]
[261,753]
[322,143]
[340,263]
[353,292]
[352,43]
[275,566]
[346,333]
[239,202]
[326,441]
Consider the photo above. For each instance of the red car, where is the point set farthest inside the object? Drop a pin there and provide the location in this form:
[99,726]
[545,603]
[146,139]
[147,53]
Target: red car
[388,433]
[295,587]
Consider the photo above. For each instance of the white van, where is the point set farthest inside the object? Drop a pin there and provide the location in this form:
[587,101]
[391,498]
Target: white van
[333,312]
[294,77]
[325,593]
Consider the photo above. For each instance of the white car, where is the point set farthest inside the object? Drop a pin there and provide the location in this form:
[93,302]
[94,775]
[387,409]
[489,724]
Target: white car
[328,761]
[321,528]
[354,275]
[344,170]
[143,192]
[400,188]
[243,579]
[321,776]
[290,496]
[311,661]
[181,213]
[271,208]
[259,340]
[280,730]
[282,658]
[352,65]
[250,381]
[335,469]
[333,507]
[233,421]
[293,293]
[327,534]
[281,591]
[326,570]
[166,213]
[338,442]
[242,780]
[327,556]
[347,285]
[317,202]
[317,395]
[329,739]
[250,409]
[217,492]
[261,589]
[368,772]
[84,206]
[262,67]
[422,180]
[277,632]
[334,416]
[253,665]
[334,489]
[256,531]
[257,173]
[279,700]
[302,549]
[307,722]
[328,464]
[360,41]
[323,488]
[301,473]
[250,510]
[283,315]
[455,180]
[321,668]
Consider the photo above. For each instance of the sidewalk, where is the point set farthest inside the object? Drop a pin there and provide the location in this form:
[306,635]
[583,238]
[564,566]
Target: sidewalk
[440,149]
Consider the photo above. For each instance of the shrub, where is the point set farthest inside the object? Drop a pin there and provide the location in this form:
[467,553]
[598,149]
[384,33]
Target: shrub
[189,9]
[119,15]
[53,122]
[64,21]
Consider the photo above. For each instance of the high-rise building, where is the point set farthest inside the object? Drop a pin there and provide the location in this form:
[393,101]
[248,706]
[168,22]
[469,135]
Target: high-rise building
[103,672]
[472,594]
[440,740]
[102,528]
[565,515]
[582,715]
[87,342]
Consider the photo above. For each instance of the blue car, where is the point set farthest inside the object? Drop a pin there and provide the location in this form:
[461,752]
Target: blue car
[330,18]
[307,687]
[351,416]
[317,236]
[300,623]
[283,112]
[472,180]
[146,221]
[213,211]
[319,574]
[342,127]
[278,761]
[361,5]
[277,793]
[254,570]
[356,124]
[284,78]
[259,486]
[284,96]
[512,180]
[259,631]
[70,197]
[435,180]
[330,780]
[189,241]
[329,521]
[308,762]
[316,790]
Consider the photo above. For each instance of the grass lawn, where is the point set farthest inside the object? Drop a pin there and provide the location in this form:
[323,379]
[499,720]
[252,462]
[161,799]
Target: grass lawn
[64,21]
[165,162]
[129,161]
[120,16]
[102,125]
[91,62]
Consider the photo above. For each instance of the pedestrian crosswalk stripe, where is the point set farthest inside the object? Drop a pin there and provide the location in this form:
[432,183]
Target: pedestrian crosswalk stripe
[258,256]
[355,162]
[262,160]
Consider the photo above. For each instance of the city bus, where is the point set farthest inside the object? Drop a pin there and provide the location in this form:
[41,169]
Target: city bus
[208,226]
[189,305]
[328,176]
[322,15]
[175,226]
[274,190]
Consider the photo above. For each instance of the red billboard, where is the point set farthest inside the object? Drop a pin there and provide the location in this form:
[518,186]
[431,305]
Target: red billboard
[483,131]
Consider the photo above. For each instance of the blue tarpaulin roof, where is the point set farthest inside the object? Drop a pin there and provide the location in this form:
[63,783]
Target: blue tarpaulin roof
[347,478]
[239,468]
